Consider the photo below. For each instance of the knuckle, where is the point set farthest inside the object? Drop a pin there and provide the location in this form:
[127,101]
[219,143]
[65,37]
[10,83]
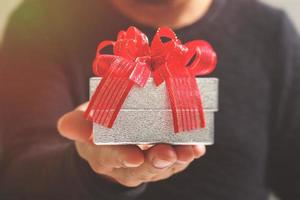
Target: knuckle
[129,182]
[161,177]
[108,161]
[134,183]
[136,175]
[104,155]
[151,171]
[145,177]
[98,168]
[178,168]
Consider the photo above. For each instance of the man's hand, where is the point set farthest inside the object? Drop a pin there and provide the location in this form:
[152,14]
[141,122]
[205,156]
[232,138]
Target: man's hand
[128,165]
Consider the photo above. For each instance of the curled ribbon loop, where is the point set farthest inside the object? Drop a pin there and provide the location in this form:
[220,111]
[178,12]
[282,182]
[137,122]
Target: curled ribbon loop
[132,63]
[129,65]
[178,65]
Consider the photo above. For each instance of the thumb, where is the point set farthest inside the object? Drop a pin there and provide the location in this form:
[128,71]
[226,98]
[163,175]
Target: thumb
[74,126]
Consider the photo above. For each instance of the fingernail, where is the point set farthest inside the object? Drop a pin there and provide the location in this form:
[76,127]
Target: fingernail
[127,164]
[158,163]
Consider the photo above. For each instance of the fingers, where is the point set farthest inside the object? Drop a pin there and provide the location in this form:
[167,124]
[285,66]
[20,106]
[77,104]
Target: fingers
[161,162]
[157,159]
[185,154]
[129,165]
[74,126]
[161,156]
[116,162]
[199,150]
[118,156]
[104,159]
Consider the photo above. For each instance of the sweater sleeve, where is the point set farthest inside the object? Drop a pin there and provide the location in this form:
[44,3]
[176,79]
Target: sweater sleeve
[36,162]
[284,165]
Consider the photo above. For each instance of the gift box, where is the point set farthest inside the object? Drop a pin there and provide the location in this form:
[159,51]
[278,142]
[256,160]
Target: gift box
[146,117]
[149,93]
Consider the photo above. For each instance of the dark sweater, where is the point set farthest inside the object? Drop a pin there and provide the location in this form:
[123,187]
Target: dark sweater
[45,67]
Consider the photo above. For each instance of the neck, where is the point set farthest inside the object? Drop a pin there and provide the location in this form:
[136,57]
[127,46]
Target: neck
[156,13]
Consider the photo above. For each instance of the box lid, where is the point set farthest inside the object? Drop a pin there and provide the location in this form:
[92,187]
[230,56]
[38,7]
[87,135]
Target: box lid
[152,97]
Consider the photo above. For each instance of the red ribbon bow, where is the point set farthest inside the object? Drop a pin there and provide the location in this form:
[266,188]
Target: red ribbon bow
[132,63]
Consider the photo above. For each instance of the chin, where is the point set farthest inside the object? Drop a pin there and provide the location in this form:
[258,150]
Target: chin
[157,2]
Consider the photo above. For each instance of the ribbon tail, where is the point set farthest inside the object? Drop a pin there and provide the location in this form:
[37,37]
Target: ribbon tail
[110,95]
[91,109]
[186,105]
[173,103]
[197,103]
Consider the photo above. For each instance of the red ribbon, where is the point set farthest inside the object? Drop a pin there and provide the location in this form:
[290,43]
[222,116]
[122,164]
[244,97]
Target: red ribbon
[132,64]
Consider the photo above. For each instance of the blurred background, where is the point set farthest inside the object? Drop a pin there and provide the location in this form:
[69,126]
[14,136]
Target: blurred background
[292,7]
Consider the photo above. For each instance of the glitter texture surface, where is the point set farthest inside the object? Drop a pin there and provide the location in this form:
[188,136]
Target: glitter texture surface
[146,118]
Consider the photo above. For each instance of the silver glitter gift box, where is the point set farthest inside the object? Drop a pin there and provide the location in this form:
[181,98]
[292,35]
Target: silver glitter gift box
[146,117]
